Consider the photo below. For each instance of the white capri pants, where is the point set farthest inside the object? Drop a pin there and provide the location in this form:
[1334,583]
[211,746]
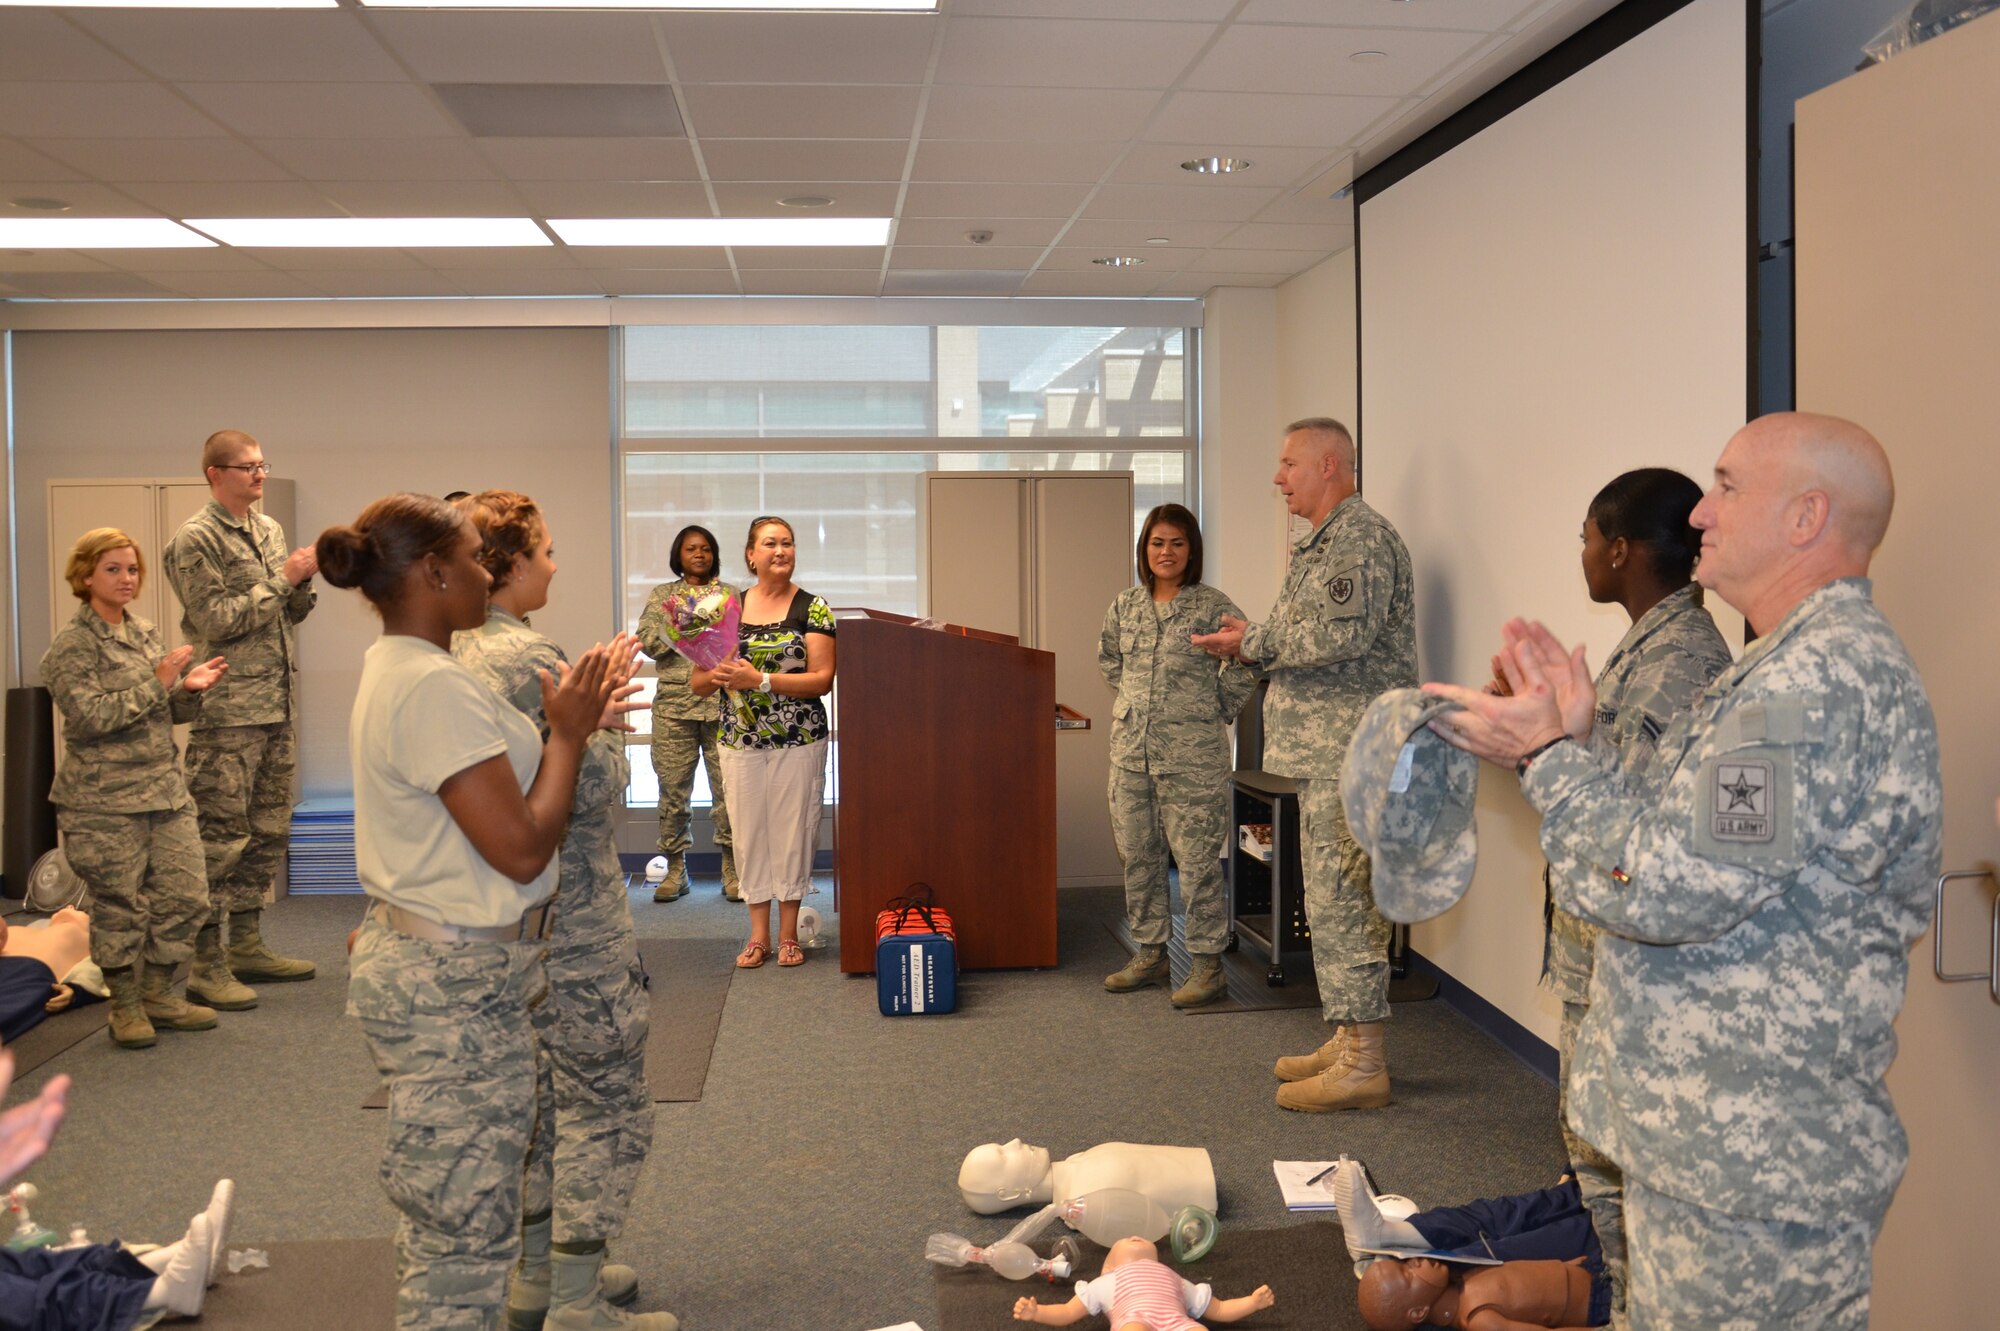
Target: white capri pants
[774,798]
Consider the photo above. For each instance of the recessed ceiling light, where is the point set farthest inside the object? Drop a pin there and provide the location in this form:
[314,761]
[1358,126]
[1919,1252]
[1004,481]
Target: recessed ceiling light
[1159,240]
[391,233]
[721,230]
[914,6]
[39,205]
[806,201]
[1119,261]
[99,233]
[1368,57]
[1216,166]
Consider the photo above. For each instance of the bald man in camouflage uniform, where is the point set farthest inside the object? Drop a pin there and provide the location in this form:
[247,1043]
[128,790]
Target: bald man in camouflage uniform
[1343,632]
[241,597]
[594,1113]
[1758,905]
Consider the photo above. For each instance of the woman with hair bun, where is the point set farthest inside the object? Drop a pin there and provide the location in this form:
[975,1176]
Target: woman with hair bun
[594,1113]
[459,807]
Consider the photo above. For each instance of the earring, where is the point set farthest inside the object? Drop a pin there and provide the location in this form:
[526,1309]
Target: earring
[441,586]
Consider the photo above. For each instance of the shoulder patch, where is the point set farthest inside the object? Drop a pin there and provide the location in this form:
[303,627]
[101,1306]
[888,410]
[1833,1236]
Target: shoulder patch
[1744,806]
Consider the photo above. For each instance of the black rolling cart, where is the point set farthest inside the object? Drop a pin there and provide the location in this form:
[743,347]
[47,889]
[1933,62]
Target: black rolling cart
[1266,897]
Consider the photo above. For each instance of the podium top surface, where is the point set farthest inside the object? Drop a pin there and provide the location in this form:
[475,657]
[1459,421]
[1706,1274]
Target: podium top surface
[911,621]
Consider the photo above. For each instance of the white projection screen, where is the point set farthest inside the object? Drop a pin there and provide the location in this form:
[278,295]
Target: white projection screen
[1559,298]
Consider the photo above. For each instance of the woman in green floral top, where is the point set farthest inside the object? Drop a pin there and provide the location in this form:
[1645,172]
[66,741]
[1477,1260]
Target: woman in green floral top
[774,732]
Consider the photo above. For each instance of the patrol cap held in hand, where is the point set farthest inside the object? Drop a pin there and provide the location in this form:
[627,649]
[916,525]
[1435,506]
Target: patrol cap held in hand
[1409,798]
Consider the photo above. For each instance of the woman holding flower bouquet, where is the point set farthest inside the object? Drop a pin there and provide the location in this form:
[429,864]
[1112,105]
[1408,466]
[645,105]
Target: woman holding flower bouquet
[774,732]
[686,729]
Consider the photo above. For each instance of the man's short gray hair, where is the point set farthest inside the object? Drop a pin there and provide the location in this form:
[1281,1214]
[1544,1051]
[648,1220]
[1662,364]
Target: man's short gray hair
[1343,445]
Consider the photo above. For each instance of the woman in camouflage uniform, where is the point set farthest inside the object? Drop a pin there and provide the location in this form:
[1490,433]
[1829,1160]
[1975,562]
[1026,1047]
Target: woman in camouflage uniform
[686,729]
[121,797]
[1169,754]
[594,1113]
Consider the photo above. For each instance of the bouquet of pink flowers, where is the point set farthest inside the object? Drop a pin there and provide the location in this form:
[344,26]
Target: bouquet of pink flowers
[701,624]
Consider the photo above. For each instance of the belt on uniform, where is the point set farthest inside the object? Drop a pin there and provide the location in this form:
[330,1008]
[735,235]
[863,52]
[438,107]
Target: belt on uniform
[532,925]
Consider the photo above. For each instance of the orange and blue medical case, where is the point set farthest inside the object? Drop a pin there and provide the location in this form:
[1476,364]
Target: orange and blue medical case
[916,958]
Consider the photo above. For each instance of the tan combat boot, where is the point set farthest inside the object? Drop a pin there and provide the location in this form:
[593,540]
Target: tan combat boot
[1147,966]
[1358,1080]
[1204,984]
[166,1008]
[250,959]
[1298,1067]
[732,887]
[675,884]
[129,1027]
[210,981]
[528,1286]
[577,1302]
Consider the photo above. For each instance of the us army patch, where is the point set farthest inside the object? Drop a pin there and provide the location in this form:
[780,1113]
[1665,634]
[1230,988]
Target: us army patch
[1343,590]
[1744,805]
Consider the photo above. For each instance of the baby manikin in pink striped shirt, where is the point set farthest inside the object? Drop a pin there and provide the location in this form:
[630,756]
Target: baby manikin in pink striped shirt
[1139,1293]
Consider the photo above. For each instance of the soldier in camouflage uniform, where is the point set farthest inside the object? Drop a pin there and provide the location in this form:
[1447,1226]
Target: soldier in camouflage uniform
[687,729]
[1343,631]
[1758,904]
[594,1112]
[1170,757]
[1639,552]
[127,822]
[241,595]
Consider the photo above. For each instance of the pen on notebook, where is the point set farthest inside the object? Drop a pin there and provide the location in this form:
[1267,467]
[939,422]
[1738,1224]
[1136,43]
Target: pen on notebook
[1322,1173]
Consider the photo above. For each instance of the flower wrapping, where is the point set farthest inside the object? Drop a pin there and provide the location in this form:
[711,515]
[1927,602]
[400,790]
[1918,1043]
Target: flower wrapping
[701,624]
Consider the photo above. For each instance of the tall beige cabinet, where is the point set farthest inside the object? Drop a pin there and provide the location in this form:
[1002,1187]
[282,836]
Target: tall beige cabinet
[1898,183]
[1040,556]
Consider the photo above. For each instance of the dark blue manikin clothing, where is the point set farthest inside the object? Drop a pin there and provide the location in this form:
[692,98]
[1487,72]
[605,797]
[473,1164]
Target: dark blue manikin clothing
[1549,1225]
[98,1288]
[25,985]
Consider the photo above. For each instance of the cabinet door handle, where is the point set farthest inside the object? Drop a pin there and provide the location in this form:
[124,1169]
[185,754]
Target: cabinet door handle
[1992,972]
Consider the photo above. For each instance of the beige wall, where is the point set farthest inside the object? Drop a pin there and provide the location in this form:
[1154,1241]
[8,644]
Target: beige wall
[1316,343]
[349,415]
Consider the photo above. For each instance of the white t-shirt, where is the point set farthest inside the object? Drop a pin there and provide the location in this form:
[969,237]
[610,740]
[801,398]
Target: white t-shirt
[420,719]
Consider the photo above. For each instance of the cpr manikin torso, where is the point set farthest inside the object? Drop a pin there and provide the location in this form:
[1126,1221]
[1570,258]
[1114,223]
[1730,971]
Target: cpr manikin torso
[998,1178]
[60,945]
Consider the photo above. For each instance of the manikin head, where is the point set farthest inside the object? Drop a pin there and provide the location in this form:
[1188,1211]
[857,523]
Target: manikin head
[1000,1176]
[1400,1292]
[1134,1249]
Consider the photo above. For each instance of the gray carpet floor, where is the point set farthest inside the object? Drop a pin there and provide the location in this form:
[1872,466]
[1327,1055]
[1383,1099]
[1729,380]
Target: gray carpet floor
[799,1190]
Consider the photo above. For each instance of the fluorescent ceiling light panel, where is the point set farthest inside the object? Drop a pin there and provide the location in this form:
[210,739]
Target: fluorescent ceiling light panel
[864,6]
[98,233]
[394,233]
[721,230]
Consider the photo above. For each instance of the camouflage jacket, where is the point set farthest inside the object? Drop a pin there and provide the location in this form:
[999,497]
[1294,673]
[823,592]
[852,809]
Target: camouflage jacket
[1657,671]
[118,721]
[235,603]
[1343,631]
[508,656]
[672,701]
[1758,903]
[1173,698]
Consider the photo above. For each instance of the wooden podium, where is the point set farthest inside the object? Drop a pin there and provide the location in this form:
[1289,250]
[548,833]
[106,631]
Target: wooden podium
[946,770]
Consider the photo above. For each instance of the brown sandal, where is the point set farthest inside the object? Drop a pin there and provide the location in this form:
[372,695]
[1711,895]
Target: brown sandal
[790,953]
[752,956]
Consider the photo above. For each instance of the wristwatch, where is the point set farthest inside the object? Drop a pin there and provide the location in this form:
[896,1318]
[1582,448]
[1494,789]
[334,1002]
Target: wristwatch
[766,685]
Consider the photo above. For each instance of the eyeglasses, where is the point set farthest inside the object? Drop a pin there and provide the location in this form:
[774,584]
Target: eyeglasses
[254,468]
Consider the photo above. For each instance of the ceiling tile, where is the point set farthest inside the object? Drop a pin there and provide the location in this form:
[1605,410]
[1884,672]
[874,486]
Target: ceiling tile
[951,282]
[607,257]
[1280,119]
[71,285]
[378,159]
[799,159]
[1468,15]
[850,198]
[99,111]
[1018,258]
[1068,53]
[1320,60]
[181,45]
[320,260]
[1154,259]
[500,256]
[1309,210]
[425,198]
[383,282]
[811,282]
[1209,10]
[262,198]
[453,46]
[1036,113]
[19,161]
[1261,261]
[854,257]
[665,282]
[41,44]
[1267,235]
[322,110]
[593,159]
[85,199]
[1126,233]
[220,258]
[800,111]
[980,202]
[1093,282]
[1162,203]
[1160,164]
[1194,282]
[53,261]
[1017,231]
[525,282]
[1014,162]
[803,48]
[167,159]
[615,198]
[249,284]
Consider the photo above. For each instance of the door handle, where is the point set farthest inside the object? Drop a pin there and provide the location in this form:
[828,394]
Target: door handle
[1992,972]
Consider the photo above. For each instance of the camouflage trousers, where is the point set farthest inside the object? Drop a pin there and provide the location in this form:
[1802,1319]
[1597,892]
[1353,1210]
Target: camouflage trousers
[448,1026]
[241,780]
[1152,813]
[677,746]
[593,1109]
[148,896]
[1350,939]
[1693,1267]
[1601,1182]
